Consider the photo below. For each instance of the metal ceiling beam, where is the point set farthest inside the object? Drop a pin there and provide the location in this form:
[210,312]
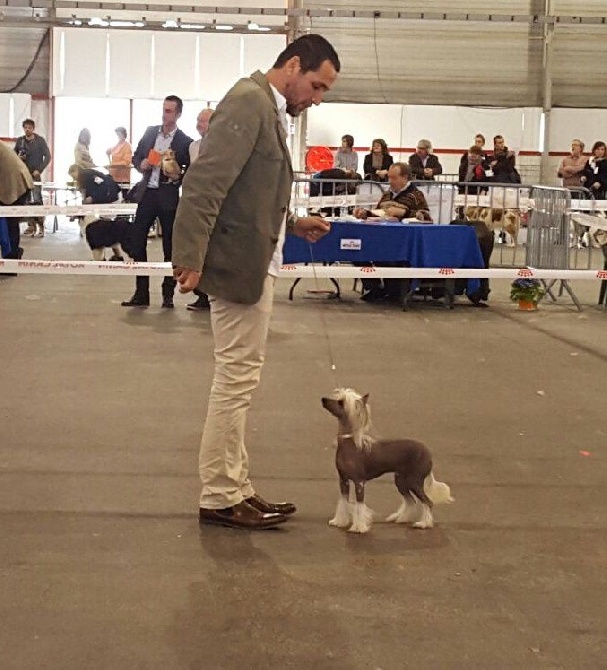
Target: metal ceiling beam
[44,9]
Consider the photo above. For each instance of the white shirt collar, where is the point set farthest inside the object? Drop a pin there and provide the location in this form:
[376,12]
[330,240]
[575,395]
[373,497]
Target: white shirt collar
[281,104]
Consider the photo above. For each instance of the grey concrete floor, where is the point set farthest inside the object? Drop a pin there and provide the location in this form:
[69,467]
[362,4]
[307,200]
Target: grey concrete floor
[103,564]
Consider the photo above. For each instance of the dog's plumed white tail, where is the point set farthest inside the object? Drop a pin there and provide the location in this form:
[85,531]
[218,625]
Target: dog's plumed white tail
[438,492]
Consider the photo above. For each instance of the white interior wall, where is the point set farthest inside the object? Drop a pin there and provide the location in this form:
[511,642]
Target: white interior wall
[14,107]
[453,128]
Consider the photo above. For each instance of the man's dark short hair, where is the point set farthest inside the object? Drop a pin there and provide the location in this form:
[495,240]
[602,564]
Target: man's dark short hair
[481,136]
[349,140]
[28,122]
[312,50]
[477,151]
[497,137]
[177,100]
[403,168]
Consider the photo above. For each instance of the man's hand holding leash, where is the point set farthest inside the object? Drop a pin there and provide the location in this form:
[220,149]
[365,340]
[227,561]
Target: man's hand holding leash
[187,279]
[311,228]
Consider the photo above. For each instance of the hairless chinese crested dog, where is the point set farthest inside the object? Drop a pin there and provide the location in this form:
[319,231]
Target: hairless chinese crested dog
[361,458]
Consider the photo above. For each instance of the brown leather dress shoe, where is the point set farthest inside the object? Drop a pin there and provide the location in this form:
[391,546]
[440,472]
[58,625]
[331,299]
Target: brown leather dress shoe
[240,516]
[271,508]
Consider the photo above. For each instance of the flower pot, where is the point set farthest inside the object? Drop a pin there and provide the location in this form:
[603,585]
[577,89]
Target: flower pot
[527,305]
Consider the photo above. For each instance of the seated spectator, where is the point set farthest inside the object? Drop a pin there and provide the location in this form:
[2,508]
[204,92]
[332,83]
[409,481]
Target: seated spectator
[15,185]
[82,156]
[100,188]
[121,157]
[594,176]
[336,184]
[479,141]
[424,164]
[376,163]
[345,157]
[475,172]
[571,168]
[402,200]
[502,163]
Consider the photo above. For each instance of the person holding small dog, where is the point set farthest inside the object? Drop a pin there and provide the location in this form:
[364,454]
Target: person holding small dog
[229,232]
[160,197]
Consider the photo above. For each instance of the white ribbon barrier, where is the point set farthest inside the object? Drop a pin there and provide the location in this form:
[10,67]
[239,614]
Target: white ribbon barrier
[129,209]
[23,211]
[108,268]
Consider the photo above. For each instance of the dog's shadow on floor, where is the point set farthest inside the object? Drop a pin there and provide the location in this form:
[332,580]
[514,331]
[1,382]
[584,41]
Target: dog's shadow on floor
[390,540]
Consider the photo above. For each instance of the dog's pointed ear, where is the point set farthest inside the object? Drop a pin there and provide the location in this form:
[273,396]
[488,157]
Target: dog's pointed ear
[365,399]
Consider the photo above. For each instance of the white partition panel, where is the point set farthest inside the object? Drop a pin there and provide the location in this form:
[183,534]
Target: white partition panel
[588,125]
[260,51]
[129,63]
[328,122]
[174,65]
[147,64]
[220,65]
[79,62]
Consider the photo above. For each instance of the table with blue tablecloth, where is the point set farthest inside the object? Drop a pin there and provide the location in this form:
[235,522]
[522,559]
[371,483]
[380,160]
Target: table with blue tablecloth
[417,245]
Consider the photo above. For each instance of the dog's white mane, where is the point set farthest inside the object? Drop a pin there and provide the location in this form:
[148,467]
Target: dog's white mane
[359,416]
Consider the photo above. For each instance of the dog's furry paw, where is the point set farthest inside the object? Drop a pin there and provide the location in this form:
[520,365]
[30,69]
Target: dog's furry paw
[423,524]
[359,528]
[339,523]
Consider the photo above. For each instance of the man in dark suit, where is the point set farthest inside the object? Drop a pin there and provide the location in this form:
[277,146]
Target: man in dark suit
[161,195]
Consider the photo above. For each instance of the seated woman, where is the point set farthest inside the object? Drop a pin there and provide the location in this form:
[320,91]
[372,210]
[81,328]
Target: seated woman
[376,163]
[345,157]
[594,175]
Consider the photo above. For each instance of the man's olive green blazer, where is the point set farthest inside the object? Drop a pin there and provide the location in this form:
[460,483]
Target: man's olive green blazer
[235,195]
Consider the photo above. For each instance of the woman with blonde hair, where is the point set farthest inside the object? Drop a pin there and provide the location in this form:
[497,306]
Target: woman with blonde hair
[82,156]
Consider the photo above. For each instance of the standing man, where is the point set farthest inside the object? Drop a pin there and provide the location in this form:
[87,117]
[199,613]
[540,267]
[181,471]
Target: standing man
[33,150]
[201,304]
[161,195]
[202,126]
[229,233]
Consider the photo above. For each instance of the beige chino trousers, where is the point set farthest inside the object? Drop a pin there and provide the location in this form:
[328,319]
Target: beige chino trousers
[240,333]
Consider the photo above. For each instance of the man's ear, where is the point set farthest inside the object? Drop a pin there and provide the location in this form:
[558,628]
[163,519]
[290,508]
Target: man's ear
[293,65]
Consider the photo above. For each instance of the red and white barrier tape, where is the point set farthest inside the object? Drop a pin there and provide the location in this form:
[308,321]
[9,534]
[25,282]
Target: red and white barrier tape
[127,208]
[108,268]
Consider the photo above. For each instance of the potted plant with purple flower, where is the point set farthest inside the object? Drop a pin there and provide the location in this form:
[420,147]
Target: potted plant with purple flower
[527,292]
